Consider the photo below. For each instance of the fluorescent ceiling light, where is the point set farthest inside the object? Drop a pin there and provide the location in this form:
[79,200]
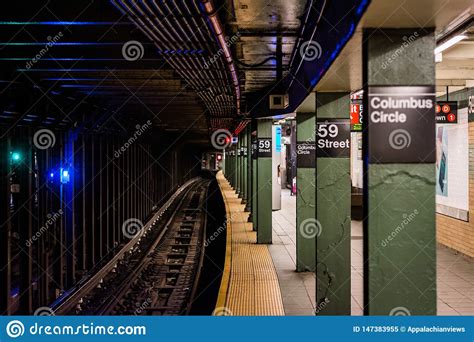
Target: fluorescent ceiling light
[449,43]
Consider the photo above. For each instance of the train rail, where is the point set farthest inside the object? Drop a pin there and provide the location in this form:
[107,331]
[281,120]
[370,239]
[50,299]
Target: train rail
[156,272]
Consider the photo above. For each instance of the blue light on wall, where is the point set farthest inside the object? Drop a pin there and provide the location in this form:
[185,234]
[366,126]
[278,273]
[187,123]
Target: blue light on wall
[278,139]
[65,176]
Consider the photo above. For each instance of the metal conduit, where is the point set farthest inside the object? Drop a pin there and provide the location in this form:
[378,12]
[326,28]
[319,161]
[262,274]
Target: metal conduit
[166,35]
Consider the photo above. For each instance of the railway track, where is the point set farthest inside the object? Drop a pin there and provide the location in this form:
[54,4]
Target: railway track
[157,272]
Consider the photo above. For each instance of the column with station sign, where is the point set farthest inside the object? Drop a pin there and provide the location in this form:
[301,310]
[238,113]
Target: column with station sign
[254,153]
[399,172]
[243,152]
[333,204]
[264,181]
[248,158]
[233,169]
[239,167]
[306,192]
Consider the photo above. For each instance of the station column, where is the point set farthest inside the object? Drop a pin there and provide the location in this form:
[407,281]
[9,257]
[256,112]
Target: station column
[248,204]
[333,204]
[254,154]
[243,152]
[399,172]
[264,181]
[306,194]
[238,168]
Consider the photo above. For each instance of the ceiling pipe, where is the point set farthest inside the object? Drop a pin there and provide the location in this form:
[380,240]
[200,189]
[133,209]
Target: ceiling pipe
[211,13]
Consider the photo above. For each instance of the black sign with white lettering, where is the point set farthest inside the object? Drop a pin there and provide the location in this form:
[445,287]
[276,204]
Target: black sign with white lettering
[239,152]
[446,112]
[264,147]
[306,154]
[470,105]
[243,151]
[401,124]
[254,148]
[333,138]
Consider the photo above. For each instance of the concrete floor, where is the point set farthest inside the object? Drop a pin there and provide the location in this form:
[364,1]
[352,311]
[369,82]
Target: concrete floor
[455,272]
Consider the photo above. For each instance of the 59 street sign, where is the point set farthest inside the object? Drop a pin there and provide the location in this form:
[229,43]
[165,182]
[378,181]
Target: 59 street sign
[333,138]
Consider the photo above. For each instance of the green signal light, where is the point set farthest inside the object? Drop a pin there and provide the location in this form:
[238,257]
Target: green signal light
[16,156]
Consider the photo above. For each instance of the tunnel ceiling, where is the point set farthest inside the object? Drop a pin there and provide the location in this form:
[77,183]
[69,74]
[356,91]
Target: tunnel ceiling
[80,62]
[149,60]
[259,23]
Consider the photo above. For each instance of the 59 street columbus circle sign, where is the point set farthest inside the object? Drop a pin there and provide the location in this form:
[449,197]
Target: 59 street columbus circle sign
[401,124]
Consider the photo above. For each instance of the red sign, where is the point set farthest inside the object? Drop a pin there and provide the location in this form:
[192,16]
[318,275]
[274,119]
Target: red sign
[446,112]
[356,117]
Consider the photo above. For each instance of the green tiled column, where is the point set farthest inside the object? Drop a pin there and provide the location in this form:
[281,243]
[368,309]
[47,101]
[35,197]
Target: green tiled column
[264,186]
[233,168]
[400,272]
[306,198]
[333,203]
[238,167]
[254,180]
[244,166]
[248,204]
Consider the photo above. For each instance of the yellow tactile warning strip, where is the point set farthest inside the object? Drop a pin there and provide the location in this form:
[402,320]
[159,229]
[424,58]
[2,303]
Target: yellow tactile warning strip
[249,285]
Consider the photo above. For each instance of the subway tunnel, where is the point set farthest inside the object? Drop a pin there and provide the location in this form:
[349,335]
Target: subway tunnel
[236,157]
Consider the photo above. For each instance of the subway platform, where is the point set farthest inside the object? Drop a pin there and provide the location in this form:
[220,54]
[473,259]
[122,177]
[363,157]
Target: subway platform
[262,279]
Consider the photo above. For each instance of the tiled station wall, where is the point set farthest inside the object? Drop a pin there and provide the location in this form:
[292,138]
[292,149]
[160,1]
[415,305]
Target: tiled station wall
[451,232]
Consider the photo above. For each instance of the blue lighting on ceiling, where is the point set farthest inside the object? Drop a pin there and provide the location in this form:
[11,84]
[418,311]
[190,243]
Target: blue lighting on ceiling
[72,79]
[62,70]
[58,43]
[72,59]
[361,7]
[63,23]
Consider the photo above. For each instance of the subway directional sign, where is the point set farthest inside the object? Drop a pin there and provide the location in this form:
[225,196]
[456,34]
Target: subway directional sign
[446,112]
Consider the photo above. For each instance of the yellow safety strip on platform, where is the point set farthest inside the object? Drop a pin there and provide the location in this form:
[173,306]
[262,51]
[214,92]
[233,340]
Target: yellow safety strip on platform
[249,285]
